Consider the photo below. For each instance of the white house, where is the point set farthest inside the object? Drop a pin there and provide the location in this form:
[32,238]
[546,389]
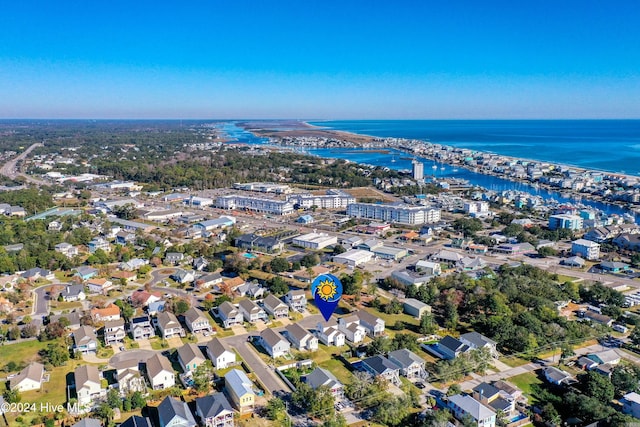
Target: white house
[350,327]
[274,343]
[160,373]
[251,312]
[585,249]
[88,386]
[196,321]
[301,338]
[329,334]
[229,314]
[169,325]
[30,378]
[275,307]
[220,354]
[296,299]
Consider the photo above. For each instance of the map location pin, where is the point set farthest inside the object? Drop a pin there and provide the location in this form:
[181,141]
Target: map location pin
[327,291]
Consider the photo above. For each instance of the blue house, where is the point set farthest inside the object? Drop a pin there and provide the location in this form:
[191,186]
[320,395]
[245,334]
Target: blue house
[86,273]
[305,219]
[613,266]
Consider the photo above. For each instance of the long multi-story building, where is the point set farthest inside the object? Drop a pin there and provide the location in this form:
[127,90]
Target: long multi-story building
[258,204]
[572,222]
[400,213]
[586,249]
[334,199]
[263,187]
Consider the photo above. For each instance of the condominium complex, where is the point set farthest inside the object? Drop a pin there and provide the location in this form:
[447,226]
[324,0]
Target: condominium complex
[258,204]
[586,249]
[263,187]
[572,222]
[334,199]
[400,213]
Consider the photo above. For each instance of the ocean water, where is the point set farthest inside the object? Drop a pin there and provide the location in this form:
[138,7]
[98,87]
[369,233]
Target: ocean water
[608,145]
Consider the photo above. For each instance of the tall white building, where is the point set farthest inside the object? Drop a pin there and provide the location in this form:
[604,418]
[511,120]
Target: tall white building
[334,199]
[586,249]
[417,170]
[258,204]
[400,213]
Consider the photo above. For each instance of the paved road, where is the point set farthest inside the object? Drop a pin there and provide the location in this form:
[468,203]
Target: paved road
[9,168]
[41,304]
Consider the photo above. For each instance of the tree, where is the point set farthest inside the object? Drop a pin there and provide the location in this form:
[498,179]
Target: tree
[634,337]
[547,251]
[277,286]
[392,412]
[408,341]
[597,386]
[279,265]
[11,396]
[454,389]
[379,345]
[275,409]
[625,379]
[427,325]
[55,354]
[310,260]
[14,333]
[138,400]
[393,307]
[322,404]
[302,396]
[338,249]
[54,330]
[104,412]
[202,376]
[180,306]
[113,399]
[30,330]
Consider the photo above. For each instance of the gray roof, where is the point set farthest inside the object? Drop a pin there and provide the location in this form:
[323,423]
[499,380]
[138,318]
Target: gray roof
[405,358]
[472,407]
[168,320]
[556,374]
[118,323]
[189,352]
[272,337]
[227,309]
[216,347]
[273,302]
[34,371]
[213,405]
[249,306]
[477,339]
[297,331]
[412,302]
[367,317]
[88,422]
[158,363]
[86,373]
[72,290]
[452,344]
[84,334]
[380,364]
[238,381]
[73,317]
[136,421]
[486,390]
[320,377]
[193,315]
[83,271]
[171,408]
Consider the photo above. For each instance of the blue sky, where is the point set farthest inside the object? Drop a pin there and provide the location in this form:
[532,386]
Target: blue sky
[320,59]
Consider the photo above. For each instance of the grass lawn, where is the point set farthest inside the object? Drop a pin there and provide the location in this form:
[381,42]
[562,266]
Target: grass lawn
[337,368]
[513,361]
[63,276]
[156,344]
[63,305]
[22,352]
[524,383]
[224,332]
[105,352]
[562,278]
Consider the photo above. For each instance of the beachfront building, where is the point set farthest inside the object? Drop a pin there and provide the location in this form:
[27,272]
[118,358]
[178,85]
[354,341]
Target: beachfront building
[571,222]
[585,249]
[257,204]
[398,213]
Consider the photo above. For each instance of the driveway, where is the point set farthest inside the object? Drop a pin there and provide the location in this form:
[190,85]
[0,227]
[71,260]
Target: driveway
[144,345]
[41,303]
[175,342]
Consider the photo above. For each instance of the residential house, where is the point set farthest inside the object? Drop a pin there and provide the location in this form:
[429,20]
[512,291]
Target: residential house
[229,284]
[124,237]
[175,413]
[88,386]
[275,307]
[73,293]
[127,276]
[463,406]
[477,341]
[144,298]
[173,258]
[239,388]
[99,286]
[66,249]
[373,325]
[200,263]
[110,312]
[429,267]
[99,243]
[136,421]
[329,334]
[296,299]
[382,367]
[85,340]
[220,354]
[350,327]
[114,332]
[85,273]
[190,357]
[208,281]
[494,398]
[598,318]
[156,307]
[301,338]
[169,325]
[196,321]
[30,378]
[133,264]
[321,377]
[141,328]
[415,308]
[610,357]
[160,373]
[411,365]
[215,410]
[229,314]
[183,276]
[450,347]
[128,377]
[37,273]
[274,343]
[72,318]
[631,404]
[251,289]
[258,243]
[251,312]
[557,376]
